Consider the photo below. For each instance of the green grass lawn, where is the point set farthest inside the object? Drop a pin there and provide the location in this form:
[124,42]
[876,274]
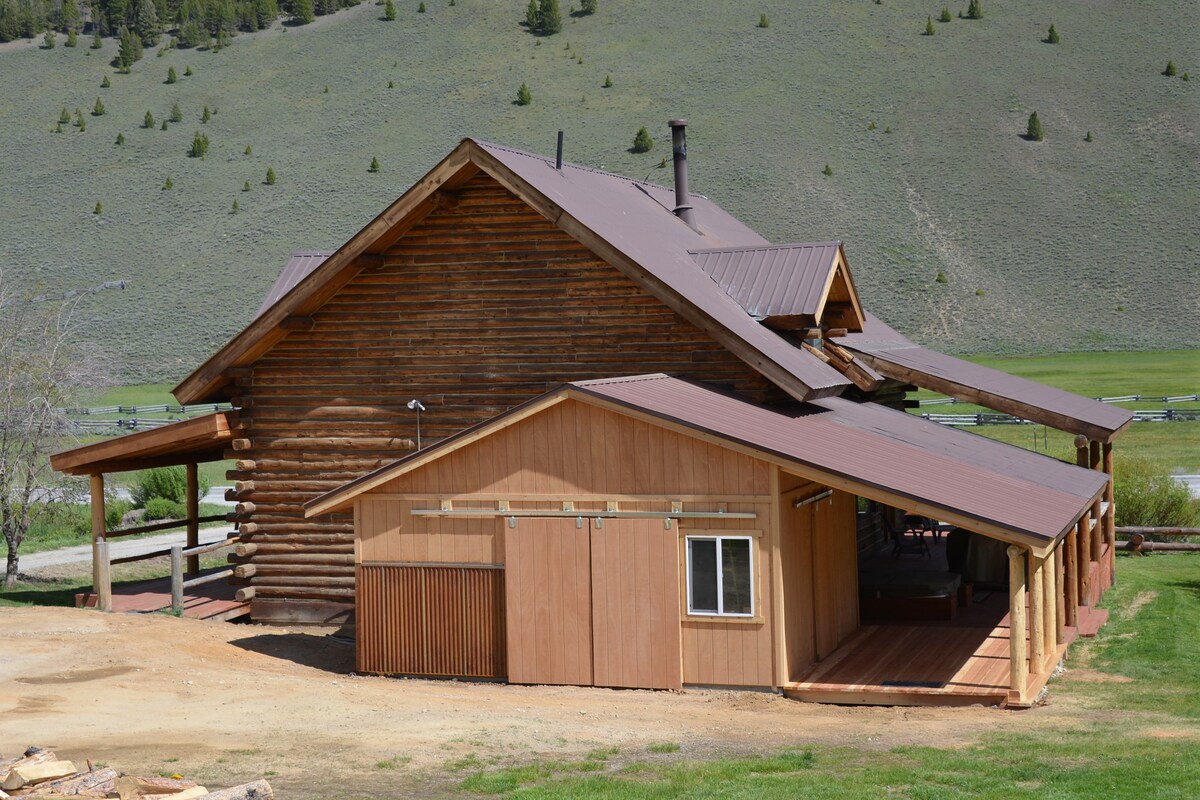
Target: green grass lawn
[1059,245]
[1114,749]
[68,528]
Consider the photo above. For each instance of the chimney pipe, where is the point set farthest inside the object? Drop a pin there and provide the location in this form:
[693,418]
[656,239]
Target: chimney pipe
[683,199]
[558,157]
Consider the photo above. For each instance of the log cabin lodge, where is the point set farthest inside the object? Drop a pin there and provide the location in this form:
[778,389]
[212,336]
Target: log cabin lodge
[656,451]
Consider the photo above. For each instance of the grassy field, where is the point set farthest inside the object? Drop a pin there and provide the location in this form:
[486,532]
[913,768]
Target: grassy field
[1060,245]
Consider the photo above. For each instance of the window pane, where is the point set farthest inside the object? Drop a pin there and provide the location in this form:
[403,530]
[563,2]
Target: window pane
[735,575]
[703,577]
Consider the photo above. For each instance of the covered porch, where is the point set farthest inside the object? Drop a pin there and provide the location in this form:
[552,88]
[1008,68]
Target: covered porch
[190,592]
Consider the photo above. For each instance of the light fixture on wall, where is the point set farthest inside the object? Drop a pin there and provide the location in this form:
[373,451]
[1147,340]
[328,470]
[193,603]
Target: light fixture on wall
[417,406]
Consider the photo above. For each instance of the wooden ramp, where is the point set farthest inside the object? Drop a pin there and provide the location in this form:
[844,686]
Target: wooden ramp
[214,601]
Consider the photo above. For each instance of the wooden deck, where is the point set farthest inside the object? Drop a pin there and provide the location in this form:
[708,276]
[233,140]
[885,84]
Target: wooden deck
[213,601]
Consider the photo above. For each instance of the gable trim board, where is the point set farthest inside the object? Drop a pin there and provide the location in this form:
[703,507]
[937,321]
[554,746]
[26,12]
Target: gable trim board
[988,487]
[655,256]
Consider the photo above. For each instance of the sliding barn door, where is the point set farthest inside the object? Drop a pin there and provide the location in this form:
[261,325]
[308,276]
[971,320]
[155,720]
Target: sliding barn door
[549,602]
[635,604]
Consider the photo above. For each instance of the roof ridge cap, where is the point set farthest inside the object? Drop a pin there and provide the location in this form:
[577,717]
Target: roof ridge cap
[784,246]
[581,167]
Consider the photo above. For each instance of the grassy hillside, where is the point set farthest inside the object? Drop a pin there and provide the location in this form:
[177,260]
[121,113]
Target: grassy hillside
[1058,245]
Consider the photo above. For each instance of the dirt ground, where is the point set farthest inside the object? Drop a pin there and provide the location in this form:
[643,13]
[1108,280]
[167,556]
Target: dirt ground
[224,703]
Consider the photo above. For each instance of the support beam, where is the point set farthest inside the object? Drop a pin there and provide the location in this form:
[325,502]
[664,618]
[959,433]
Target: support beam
[1097,533]
[1037,615]
[101,577]
[1070,552]
[1110,513]
[1050,605]
[1060,599]
[193,518]
[1082,551]
[1018,665]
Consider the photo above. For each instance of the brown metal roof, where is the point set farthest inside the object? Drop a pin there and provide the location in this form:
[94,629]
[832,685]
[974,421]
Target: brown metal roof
[896,357]
[773,280]
[1033,496]
[297,269]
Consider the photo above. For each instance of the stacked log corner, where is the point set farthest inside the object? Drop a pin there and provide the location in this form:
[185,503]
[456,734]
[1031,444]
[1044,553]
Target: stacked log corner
[477,308]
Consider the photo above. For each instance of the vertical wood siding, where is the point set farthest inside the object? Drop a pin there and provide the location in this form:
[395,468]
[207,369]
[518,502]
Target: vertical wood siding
[835,571]
[477,308]
[431,621]
[635,604]
[549,602]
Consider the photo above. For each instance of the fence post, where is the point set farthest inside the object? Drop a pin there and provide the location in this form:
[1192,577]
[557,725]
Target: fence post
[193,514]
[177,579]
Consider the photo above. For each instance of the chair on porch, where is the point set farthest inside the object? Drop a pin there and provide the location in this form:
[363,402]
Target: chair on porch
[907,539]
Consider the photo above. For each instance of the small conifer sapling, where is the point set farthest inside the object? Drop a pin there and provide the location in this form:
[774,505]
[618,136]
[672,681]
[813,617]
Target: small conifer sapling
[389,11]
[524,97]
[608,81]
[1033,130]
[99,208]
[374,165]
[1170,70]
[48,40]
[96,43]
[164,126]
[642,143]
[168,183]
[1088,138]
[588,7]
[205,116]
[1052,35]
[234,207]
[421,8]
[828,171]
[945,15]
[171,75]
[64,116]
[120,139]
[148,120]
[270,181]
[246,186]
[176,113]
[104,84]
[72,38]
[187,72]
[247,151]
[98,109]
[763,22]
[929,29]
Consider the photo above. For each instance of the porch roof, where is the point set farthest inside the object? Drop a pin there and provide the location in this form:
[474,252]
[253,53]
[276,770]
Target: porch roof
[188,441]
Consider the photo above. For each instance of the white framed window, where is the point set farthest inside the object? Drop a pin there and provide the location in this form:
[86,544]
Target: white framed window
[720,575]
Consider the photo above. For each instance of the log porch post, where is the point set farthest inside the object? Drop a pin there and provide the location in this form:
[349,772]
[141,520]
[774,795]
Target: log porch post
[101,576]
[1037,614]
[1110,515]
[193,517]
[1060,598]
[1097,516]
[1081,561]
[1070,551]
[1018,666]
[1049,605]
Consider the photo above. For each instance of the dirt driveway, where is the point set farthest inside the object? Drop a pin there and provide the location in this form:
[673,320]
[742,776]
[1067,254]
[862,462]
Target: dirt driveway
[224,703]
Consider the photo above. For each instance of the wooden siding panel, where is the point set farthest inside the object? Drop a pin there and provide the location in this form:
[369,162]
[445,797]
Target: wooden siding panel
[430,621]
[547,641]
[835,572]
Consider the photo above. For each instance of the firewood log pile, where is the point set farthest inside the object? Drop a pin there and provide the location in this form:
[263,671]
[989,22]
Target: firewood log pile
[40,773]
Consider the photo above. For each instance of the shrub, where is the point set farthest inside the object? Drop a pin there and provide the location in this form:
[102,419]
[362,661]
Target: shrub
[763,22]
[114,510]
[1170,70]
[1033,129]
[187,72]
[929,29]
[199,146]
[1088,138]
[642,143]
[162,508]
[48,41]
[64,116]
[270,181]
[168,483]
[587,7]
[168,183]
[120,138]
[1052,36]
[205,116]
[975,10]
[96,43]
[531,16]
[72,38]
[164,125]
[176,113]
[608,81]
[871,127]
[98,109]
[828,171]
[58,128]
[234,208]
[247,151]
[941,277]
[99,209]
[172,76]
[1146,497]
[374,165]
[104,84]
[524,98]
[945,15]
[148,120]
[389,11]
[421,8]
[246,186]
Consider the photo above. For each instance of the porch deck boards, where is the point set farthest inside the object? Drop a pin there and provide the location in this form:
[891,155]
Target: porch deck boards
[212,601]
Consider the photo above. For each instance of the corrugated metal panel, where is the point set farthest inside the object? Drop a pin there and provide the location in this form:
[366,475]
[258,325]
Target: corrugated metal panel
[299,266]
[883,343]
[780,280]
[875,446]
[426,620]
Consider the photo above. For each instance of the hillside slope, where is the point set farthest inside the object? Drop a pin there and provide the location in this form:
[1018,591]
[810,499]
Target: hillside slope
[1059,245]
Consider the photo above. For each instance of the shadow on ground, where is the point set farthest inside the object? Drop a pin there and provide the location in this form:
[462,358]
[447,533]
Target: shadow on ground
[321,651]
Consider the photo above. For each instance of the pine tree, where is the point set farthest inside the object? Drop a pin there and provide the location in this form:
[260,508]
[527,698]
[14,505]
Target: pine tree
[64,116]
[205,116]
[187,72]
[1170,70]
[608,81]
[1052,35]
[374,165]
[120,139]
[234,207]
[1033,130]
[524,98]
[389,11]
[147,24]
[1088,138]
[945,15]
[130,49]
[48,40]
[104,84]
[828,171]
[549,17]
[246,186]
[98,109]
[99,208]
[176,113]
[70,19]
[302,12]
[171,75]
[199,146]
[642,143]
[79,121]
[248,151]
[165,126]
[270,176]
[975,9]
[763,22]
[168,183]
[391,84]
[929,29]
[531,16]
[148,120]
[72,38]
[96,43]
[58,128]
[421,8]
[588,7]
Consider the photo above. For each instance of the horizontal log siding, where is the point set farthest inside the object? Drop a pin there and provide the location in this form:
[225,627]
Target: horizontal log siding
[476,309]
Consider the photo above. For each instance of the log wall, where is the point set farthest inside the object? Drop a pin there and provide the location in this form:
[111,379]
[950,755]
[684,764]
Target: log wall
[477,308]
